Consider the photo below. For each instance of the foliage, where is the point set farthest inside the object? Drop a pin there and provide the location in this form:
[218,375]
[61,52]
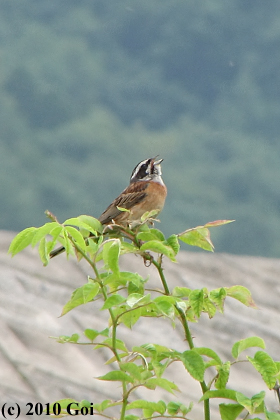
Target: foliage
[197,83]
[127,297]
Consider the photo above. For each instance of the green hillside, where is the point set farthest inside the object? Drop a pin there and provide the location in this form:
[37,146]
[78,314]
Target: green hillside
[89,88]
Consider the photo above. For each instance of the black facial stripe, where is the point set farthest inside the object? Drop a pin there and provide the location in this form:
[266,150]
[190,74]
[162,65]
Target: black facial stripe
[141,170]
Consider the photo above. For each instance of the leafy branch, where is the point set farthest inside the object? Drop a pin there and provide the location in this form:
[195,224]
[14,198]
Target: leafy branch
[126,297]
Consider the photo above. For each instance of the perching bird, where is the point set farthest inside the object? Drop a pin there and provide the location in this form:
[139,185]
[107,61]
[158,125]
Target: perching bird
[145,192]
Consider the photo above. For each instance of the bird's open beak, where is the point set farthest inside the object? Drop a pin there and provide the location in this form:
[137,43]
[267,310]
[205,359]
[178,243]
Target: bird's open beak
[157,162]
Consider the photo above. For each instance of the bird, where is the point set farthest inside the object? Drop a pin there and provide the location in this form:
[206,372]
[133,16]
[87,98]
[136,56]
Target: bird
[146,192]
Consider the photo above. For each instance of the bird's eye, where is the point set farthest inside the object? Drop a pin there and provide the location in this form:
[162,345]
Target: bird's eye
[143,170]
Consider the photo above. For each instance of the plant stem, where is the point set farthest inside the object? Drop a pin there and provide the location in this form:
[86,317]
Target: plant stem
[205,402]
[185,326]
[114,327]
[124,404]
[189,339]
[187,331]
[161,274]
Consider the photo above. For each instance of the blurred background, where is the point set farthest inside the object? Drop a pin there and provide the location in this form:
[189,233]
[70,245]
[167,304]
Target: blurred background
[89,88]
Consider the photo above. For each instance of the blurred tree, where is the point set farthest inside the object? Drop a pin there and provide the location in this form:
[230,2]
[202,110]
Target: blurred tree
[88,89]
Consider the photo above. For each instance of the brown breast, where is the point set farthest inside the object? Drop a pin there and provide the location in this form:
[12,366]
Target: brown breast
[154,200]
[138,197]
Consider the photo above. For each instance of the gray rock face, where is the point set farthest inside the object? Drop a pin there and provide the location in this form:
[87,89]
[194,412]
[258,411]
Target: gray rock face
[35,368]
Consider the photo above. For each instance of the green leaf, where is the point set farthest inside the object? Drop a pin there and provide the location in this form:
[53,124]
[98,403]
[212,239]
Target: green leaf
[92,246]
[161,407]
[69,249]
[160,248]
[181,292]
[246,343]
[111,254]
[258,401]
[131,317]
[133,369]
[77,236]
[151,348]
[151,234]
[128,248]
[166,308]
[113,300]
[266,366]
[209,307]
[174,407]
[113,281]
[62,339]
[102,406]
[22,240]
[190,315]
[221,393]
[153,407]
[205,351]
[88,223]
[271,416]
[149,215]
[196,299]
[85,403]
[44,230]
[163,349]
[230,411]
[199,236]
[159,368]
[116,375]
[157,234]
[143,228]
[123,209]
[252,404]
[43,251]
[146,236]
[217,296]
[223,375]
[165,304]
[152,383]
[131,417]
[135,281]
[173,242]
[194,364]
[109,342]
[105,332]
[81,296]
[55,232]
[57,236]
[91,334]
[141,350]
[74,338]
[136,299]
[242,294]
[150,310]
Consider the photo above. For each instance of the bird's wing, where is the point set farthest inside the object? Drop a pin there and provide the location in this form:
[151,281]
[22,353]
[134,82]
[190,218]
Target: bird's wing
[131,196]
